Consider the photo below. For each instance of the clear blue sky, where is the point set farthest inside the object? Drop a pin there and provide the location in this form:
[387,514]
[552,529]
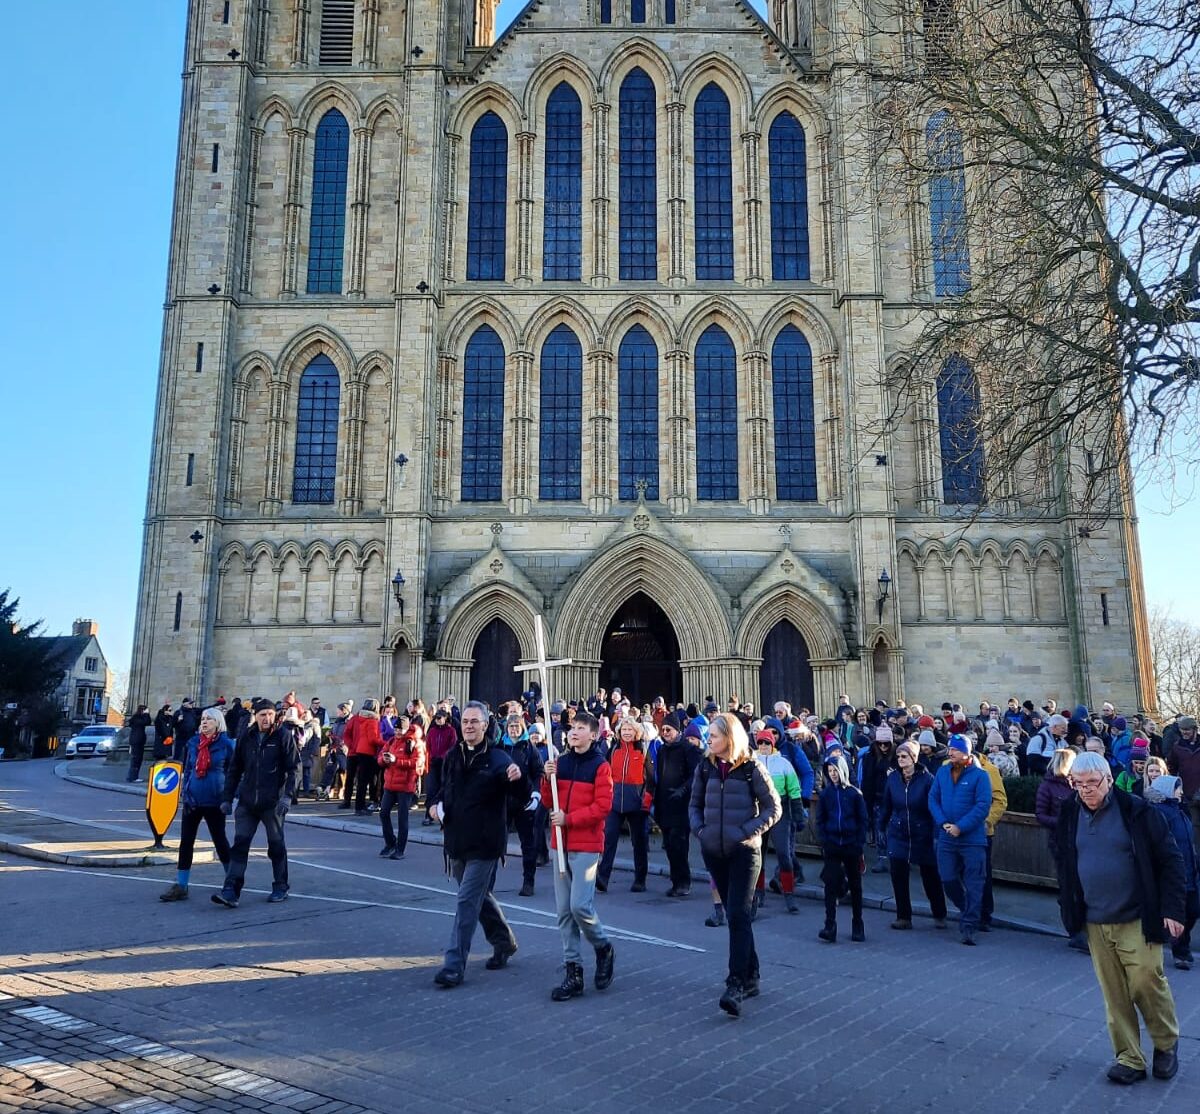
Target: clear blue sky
[86,207]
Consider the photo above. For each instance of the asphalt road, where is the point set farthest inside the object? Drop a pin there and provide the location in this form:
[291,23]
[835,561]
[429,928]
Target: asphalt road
[328,999]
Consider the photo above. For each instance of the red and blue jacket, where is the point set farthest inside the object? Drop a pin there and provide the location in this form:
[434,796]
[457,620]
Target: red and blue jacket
[585,794]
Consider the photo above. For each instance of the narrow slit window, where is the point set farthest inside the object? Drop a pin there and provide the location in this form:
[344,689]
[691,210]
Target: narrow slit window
[216,157]
[199,357]
[1104,608]
[191,469]
[225,12]
[178,610]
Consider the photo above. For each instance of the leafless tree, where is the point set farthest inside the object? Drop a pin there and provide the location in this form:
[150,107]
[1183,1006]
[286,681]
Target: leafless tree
[1176,648]
[1066,135]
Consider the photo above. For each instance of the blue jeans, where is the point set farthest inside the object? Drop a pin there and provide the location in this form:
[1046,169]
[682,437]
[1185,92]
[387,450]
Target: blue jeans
[638,836]
[575,898]
[963,869]
[476,905]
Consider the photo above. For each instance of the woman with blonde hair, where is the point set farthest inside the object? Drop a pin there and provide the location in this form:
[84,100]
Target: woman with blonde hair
[631,802]
[1155,768]
[733,802]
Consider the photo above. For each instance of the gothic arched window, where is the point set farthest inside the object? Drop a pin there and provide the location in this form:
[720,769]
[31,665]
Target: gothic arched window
[316,432]
[947,206]
[327,229]
[562,228]
[716,416]
[483,417]
[787,160]
[714,185]
[638,177]
[560,448]
[958,426]
[795,423]
[637,422]
[488,200]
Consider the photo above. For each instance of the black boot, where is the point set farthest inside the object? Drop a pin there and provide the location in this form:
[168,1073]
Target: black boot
[829,932]
[731,1000]
[572,984]
[717,917]
[858,931]
[604,967]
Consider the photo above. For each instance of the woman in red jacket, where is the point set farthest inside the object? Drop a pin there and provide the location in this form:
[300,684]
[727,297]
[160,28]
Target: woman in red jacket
[403,762]
[631,802]
[585,791]
[363,743]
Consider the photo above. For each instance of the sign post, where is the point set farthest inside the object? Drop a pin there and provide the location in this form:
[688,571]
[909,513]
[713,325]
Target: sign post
[543,668]
[162,798]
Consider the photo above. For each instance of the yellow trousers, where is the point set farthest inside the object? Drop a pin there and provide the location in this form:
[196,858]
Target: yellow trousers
[1130,973]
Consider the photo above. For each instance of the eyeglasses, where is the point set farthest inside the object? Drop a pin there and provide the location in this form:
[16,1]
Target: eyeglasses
[1088,786]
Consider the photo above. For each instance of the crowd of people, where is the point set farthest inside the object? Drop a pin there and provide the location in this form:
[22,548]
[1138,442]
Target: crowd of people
[918,789]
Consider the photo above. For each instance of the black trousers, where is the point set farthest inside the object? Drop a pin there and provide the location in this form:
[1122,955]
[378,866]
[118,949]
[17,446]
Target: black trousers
[675,844]
[189,826]
[735,876]
[245,825]
[841,873]
[930,880]
[526,825]
[638,836]
[359,769]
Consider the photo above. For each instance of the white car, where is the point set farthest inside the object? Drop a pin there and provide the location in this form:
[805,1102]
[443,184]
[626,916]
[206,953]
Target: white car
[98,740]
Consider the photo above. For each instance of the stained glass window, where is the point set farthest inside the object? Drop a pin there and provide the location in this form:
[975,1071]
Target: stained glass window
[316,432]
[795,424]
[716,416]
[560,446]
[637,422]
[562,228]
[488,200]
[327,229]
[483,417]
[638,178]
[787,160]
[714,185]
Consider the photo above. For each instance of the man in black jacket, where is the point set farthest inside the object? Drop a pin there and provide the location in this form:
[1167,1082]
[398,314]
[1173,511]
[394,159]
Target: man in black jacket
[262,775]
[185,724]
[1122,877]
[674,769]
[138,722]
[471,801]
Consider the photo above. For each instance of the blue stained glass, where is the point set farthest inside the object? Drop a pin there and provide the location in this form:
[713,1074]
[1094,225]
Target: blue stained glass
[714,185]
[637,11]
[562,228]
[488,202]
[716,416]
[789,198]
[316,432]
[958,426]
[638,179]
[795,423]
[327,229]
[560,432]
[669,11]
[947,206]
[637,421]
[606,11]
[483,417]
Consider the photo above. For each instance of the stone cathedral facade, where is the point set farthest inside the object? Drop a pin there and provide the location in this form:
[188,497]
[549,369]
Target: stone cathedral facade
[585,321]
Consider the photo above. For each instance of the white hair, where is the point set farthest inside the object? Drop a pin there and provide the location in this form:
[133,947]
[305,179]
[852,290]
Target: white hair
[1089,763]
[217,715]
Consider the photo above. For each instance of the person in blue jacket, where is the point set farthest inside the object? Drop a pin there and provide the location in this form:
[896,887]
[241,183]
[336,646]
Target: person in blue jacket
[205,763]
[904,814]
[959,801]
[1165,793]
[842,833]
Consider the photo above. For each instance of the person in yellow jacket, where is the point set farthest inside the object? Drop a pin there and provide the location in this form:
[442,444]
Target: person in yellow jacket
[999,804]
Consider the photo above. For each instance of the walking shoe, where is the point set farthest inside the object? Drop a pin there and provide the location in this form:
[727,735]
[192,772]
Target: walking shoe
[968,937]
[601,887]
[638,888]
[447,979]
[396,855]
[858,932]
[526,890]
[828,933]
[571,986]
[227,898]
[902,923]
[789,901]
[387,851]
[604,967]
[1166,1062]
[679,891]
[731,1000]
[776,888]
[1182,962]
[277,896]
[716,918]
[1125,1075]
[176,892]
[372,808]
[500,956]
[750,988]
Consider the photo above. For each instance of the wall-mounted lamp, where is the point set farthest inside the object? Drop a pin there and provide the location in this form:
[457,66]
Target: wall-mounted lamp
[398,591]
[885,589]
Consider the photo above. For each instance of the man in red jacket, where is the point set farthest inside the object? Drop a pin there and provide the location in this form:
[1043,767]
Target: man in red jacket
[585,793]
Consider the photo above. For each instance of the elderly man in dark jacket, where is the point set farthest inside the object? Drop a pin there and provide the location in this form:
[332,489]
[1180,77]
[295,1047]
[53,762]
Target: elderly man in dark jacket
[1122,876]
[674,769]
[471,800]
[262,776]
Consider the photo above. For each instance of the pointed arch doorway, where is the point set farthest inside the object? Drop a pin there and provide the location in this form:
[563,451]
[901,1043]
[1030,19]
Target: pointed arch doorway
[786,672]
[493,663]
[640,652]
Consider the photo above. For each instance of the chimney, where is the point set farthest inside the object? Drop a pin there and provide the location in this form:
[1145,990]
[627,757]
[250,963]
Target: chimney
[85,627]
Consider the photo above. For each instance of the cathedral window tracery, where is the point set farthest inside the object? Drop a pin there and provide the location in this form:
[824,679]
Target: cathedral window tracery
[947,206]
[638,190]
[315,468]
[789,198]
[327,230]
[488,200]
[483,417]
[562,230]
[716,416]
[637,424]
[794,419]
[713,185]
[561,421]
[958,426]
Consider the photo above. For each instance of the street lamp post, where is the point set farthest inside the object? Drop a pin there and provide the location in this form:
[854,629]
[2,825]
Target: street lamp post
[398,592]
[885,587]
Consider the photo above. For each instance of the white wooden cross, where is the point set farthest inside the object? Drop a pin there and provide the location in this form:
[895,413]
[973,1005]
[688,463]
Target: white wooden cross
[543,668]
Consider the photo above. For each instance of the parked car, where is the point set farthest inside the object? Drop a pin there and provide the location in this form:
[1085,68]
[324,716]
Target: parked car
[99,740]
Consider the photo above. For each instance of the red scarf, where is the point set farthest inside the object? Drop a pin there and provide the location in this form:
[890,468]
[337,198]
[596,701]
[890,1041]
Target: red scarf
[203,758]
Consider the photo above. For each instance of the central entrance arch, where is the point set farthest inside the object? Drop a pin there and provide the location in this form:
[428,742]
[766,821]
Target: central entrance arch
[494,659]
[786,672]
[640,653]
